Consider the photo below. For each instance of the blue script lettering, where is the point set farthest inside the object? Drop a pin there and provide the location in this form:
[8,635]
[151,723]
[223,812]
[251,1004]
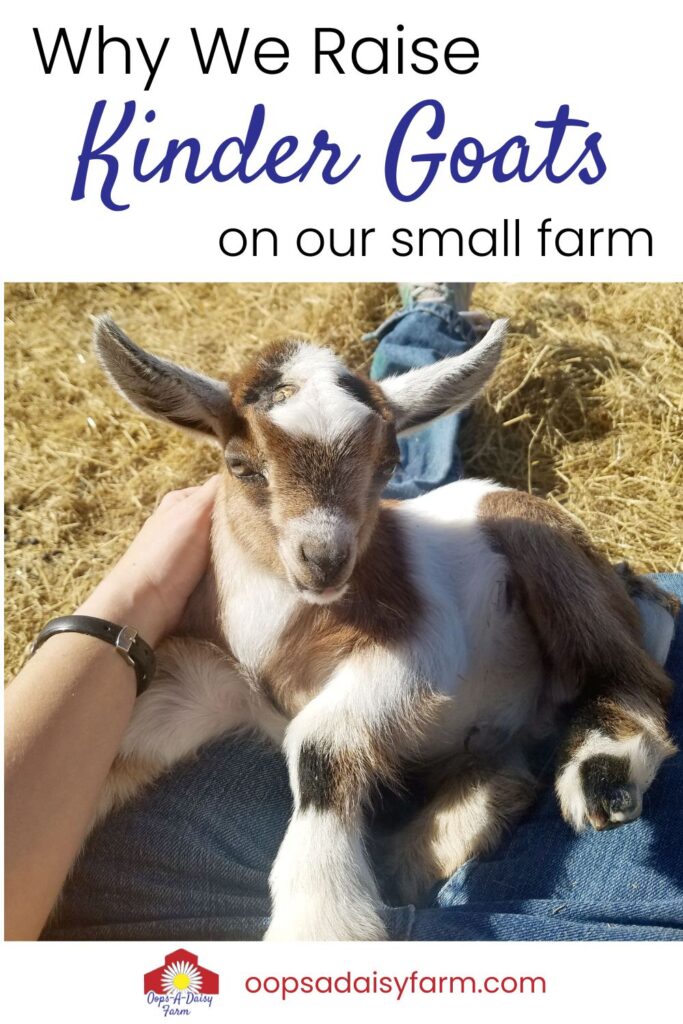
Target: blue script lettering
[154,997]
[233,157]
[469,156]
[91,152]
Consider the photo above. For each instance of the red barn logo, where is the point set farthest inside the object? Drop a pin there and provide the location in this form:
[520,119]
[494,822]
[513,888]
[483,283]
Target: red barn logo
[182,974]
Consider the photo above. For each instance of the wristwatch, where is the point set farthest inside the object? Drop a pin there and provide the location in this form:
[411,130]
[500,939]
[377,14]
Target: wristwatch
[125,639]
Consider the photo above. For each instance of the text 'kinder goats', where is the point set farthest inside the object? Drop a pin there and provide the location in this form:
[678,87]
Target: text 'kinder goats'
[425,143]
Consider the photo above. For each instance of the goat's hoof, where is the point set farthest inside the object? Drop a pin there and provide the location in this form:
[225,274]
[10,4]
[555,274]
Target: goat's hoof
[600,791]
[614,806]
[611,798]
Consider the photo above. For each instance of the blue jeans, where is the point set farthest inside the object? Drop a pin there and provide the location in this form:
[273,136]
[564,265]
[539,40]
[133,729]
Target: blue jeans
[190,858]
[414,337]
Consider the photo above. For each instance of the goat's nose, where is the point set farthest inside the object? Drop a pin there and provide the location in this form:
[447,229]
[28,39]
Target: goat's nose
[324,561]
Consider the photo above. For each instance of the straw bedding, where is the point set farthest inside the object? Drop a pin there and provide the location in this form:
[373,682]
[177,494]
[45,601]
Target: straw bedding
[586,408]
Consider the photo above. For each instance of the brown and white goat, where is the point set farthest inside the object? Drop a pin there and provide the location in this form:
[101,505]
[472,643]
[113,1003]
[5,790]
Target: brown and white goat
[374,639]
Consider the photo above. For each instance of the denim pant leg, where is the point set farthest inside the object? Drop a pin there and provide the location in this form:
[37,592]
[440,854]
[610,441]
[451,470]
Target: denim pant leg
[420,336]
[187,859]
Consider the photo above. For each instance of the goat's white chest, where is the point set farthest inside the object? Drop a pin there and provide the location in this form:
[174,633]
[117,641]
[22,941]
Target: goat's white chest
[256,606]
[255,616]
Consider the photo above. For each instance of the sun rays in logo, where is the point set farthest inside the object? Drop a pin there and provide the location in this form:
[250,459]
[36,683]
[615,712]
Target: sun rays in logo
[181,976]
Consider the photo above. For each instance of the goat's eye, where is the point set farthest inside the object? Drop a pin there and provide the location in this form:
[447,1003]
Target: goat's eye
[244,471]
[284,392]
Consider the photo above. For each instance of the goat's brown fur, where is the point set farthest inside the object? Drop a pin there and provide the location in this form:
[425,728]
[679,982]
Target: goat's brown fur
[471,804]
[381,607]
[585,621]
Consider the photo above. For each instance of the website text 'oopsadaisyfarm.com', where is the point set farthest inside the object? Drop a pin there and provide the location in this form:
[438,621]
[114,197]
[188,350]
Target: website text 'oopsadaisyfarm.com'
[396,987]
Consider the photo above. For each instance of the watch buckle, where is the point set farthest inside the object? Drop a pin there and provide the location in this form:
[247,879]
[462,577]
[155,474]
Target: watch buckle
[125,641]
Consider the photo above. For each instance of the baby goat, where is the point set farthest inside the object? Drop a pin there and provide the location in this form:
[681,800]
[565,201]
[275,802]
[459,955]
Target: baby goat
[438,636]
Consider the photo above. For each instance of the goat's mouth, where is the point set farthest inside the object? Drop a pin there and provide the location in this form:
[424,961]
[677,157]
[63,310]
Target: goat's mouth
[321,595]
[316,584]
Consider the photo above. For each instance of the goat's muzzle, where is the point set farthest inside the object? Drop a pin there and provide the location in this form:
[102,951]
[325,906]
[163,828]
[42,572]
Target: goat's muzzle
[319,552]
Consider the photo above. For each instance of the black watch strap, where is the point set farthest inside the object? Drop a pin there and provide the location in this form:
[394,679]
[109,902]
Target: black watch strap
[125,639]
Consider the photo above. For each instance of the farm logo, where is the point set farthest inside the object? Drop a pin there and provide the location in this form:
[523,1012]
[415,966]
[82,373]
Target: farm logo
[180,985]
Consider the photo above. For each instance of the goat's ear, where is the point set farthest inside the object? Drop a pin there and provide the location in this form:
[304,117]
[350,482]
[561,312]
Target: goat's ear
[420,396]
[160,388]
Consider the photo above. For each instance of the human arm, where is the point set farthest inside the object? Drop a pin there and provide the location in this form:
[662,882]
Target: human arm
[66,711]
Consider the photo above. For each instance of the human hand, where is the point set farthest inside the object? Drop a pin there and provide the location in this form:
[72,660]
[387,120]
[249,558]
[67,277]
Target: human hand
[149,586]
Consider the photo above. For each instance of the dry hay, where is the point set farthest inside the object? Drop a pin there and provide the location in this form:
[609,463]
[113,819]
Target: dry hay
[585,408]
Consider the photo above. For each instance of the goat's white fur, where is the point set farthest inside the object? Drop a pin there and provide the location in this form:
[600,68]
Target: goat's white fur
[319,848]
[255,605]
[319,408]
[430,392]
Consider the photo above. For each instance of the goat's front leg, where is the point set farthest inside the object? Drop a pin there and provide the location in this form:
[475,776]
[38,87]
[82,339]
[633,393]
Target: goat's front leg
[590,635]
[348,738]
[618,738]
[616,741]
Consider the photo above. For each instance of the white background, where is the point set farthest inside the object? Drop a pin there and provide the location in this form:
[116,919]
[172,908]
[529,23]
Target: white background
[103,982]
[617,66]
